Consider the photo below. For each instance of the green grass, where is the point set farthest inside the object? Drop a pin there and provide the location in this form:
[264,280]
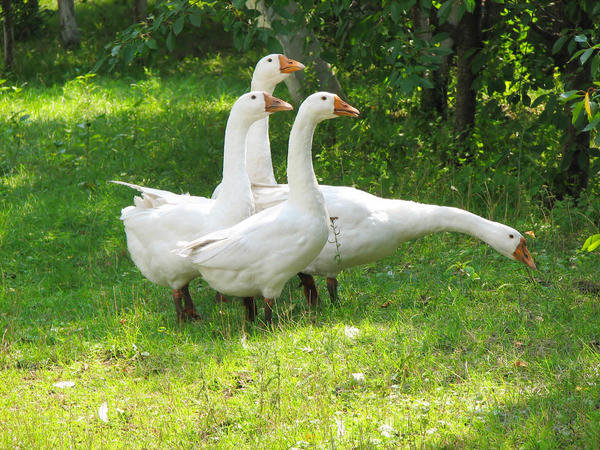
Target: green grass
[491,360]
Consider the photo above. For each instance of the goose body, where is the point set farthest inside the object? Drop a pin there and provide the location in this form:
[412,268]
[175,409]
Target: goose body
[369,228]
[159,219]
[258,255]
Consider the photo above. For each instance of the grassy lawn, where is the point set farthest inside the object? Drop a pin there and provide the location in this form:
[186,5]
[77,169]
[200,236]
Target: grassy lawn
[446,344]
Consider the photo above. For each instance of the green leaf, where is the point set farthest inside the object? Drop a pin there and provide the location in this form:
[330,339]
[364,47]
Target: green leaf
[129,54]
[576,54]
[586,55]
[591,243]
[592,125]
[171,41]
[151,43]
[178,25]
[595,65]
[439,37]
[469,5]
[559,44]
[396,12]
[444,11]
[566,96]
[539,100]
[576,111]
[581,38]
[196,20]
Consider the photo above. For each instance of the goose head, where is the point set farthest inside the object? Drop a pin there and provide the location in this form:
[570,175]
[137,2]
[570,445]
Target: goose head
[273,69]
[257,105]
[324,105]
[510,243]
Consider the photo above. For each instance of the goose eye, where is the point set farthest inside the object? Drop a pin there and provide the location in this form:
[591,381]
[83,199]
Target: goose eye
[270,59]
[511,236]
[254,98]
[323,98]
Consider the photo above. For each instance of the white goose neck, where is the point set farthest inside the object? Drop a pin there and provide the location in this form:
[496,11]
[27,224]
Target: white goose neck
[427,219]
[235,187]
[303,186]
[258,146]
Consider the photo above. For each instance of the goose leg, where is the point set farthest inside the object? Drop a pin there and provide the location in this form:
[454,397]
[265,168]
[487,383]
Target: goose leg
[220,298]
[269,310]
[332,287]
[177,296]
[189,310]
[250,306]
[310,288]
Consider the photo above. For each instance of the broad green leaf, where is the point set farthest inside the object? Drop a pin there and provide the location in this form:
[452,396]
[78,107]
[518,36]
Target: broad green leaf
[151,43]
[591,243]
[594,246]
[586,55]
[178,25]
[559,44]
[444,11]
[576,54]
[196,20]
[396,12]
[171,41]
[566,96]
[128,54]
[592,125]
[539,100]
[469,5]
[439,37]
[581,38]
[576,111]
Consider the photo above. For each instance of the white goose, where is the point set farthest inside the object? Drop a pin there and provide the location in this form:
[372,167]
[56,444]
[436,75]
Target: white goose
[160,219]
[371,228]
[268,73]
[258,255]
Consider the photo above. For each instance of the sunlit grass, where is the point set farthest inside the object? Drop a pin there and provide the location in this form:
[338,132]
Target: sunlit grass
[447,359]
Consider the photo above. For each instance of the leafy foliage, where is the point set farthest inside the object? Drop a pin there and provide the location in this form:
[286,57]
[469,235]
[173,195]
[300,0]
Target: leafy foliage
[591,243]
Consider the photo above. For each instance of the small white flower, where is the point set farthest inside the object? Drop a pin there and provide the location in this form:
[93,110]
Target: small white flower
[387,431]
[341,429]
[145,354]
[351,332]
[307,349]
[359,378]
[64,384]
[103,412]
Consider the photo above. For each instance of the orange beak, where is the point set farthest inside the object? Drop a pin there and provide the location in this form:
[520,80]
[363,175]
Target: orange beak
[274,104]
[288,65]
[341,108]
[522,254]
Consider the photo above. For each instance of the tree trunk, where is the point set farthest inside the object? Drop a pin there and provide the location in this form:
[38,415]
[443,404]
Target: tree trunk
[69,32]
[139,10]
[468,41]
[435,98]
[9,41]
[293,44]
